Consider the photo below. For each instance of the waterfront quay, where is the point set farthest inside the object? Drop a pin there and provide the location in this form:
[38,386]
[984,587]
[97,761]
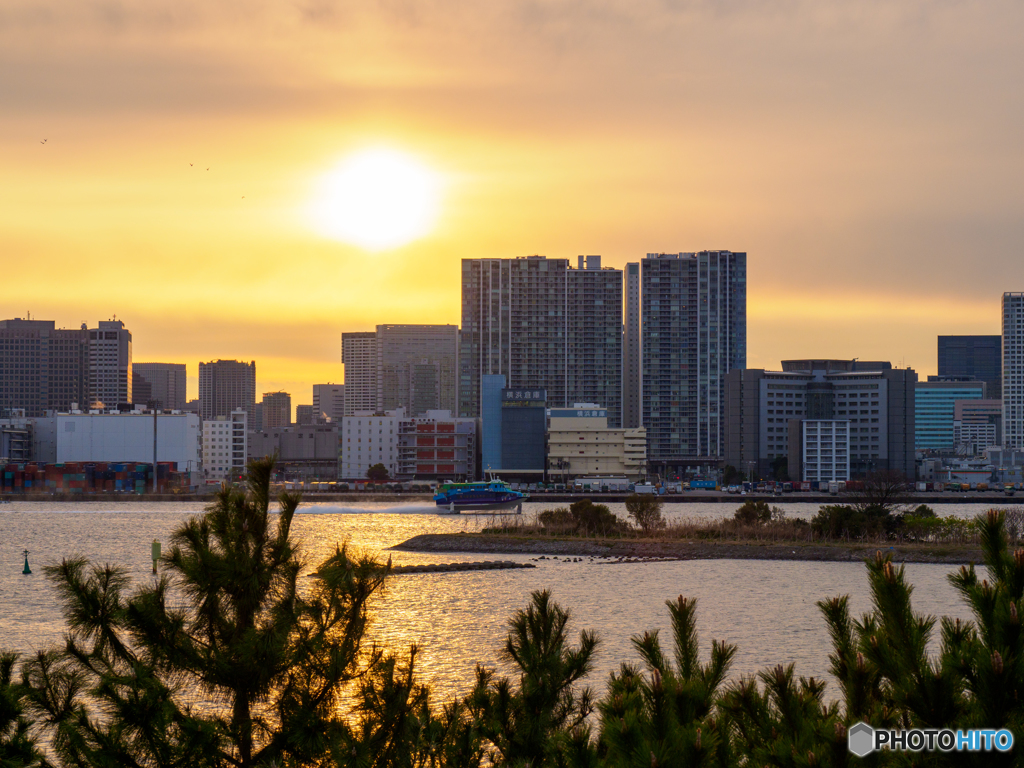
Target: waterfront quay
[991,498]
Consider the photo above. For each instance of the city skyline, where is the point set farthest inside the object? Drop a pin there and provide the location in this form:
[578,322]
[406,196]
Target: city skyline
[301,389]
[839,146]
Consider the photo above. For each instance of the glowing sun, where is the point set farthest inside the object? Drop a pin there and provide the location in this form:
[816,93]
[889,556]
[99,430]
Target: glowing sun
[377,199]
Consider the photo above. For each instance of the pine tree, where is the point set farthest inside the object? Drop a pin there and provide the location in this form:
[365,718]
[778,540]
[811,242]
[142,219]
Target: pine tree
[542,720]
[977,680]
[669,716]
[17,746]
[225,660]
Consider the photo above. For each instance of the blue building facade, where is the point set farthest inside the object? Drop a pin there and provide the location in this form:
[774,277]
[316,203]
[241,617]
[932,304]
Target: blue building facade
[934,403]
[491,387]
[523,432]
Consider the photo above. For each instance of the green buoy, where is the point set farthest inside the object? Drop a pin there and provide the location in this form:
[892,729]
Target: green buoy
[26,570]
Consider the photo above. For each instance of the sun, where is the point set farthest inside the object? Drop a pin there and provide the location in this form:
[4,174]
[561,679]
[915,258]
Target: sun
[377,199]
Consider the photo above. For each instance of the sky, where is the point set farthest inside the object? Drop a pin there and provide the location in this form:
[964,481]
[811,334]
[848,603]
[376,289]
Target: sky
[159,158]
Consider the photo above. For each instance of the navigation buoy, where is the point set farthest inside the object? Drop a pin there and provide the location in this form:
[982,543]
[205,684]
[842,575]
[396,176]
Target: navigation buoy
[26,571]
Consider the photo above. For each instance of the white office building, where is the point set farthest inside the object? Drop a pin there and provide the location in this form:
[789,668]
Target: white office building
[368,439]
[225,445]
[826,449]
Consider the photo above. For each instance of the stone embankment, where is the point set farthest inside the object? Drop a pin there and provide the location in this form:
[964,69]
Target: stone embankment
[646,550]
[487,565]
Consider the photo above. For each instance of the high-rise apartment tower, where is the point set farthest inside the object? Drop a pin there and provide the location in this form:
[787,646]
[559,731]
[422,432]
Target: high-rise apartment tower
[359,354]
[225,386]
[542,325]
[1013,371]
[631,382]
[694,321]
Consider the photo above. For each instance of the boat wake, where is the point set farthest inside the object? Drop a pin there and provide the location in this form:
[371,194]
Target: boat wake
[407,509]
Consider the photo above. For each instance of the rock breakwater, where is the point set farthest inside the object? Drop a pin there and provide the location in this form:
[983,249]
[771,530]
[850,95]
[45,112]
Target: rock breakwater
[646,550]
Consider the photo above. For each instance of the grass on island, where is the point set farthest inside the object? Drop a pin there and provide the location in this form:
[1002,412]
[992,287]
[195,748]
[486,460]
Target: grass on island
[755,523]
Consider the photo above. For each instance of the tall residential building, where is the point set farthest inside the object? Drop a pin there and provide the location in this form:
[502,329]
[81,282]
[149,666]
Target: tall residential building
[166,382]
[110,365]
[631,383]
[42,368]
[876,400]
[417,368]
[694,321]
[328,401]
[934,406]
[359,354]
[225,386]
[542,324]
[978,357]
[277,410]
[1013,371]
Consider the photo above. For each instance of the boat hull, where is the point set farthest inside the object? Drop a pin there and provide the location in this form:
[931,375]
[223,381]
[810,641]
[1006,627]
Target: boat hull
[455,507]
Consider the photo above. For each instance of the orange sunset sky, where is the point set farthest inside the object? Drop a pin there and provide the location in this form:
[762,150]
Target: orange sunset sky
[867,157]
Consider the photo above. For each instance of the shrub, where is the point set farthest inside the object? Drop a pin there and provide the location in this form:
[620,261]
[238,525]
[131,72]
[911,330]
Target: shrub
[557,520]
[594,518]
[844,521]
[645,509]
[754,512]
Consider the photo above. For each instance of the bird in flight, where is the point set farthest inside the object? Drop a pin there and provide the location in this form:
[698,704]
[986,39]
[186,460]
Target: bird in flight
[43,141]
[190,165]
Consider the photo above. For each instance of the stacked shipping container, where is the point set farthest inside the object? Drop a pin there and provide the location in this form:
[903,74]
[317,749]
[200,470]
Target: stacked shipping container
[92,477]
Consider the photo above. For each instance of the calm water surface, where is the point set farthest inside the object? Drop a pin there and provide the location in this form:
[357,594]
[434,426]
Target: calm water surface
[766,608]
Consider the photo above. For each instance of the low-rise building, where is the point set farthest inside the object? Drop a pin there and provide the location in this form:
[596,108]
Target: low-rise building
[16,436]
[225,441]
[581,444]
[368,439]
[304,452]
[437,446]
[97,436]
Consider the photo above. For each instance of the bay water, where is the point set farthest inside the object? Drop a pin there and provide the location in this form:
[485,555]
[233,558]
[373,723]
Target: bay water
[766,608]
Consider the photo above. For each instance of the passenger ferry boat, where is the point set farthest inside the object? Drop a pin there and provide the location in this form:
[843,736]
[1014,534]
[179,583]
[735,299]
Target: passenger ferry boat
[487,496]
